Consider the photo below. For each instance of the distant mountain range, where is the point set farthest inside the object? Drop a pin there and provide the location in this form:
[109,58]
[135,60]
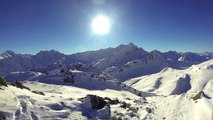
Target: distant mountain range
[118,61]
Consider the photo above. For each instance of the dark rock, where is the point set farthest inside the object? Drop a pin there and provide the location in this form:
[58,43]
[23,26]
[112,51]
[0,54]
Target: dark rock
[3,82]
[38,92]
[135,110]
[111,101]
[81,99]
[149,110]
[97,102]
[19,85]
[125,105]
[115,118]
[128,98]
[114,102]
[139,94]
[198,96]
[106,98]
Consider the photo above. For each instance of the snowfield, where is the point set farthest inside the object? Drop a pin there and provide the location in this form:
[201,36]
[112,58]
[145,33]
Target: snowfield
[62,102]
[176,89]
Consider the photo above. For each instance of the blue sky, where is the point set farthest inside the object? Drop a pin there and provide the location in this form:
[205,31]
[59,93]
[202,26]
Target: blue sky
[28,26]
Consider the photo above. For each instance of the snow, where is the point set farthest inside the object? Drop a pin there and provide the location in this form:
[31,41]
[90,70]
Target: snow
[168,79]
[59,102]
[167,85]
[170,102]
[142,85]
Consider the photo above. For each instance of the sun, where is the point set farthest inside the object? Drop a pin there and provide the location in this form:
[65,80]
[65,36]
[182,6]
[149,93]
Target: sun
[101,25]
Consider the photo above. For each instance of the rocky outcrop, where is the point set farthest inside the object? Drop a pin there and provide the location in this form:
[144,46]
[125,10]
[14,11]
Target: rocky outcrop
[97,102]
[3,82]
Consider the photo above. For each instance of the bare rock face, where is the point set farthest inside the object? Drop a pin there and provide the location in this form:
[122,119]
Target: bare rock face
[95,107]
[19,85]
[97,102]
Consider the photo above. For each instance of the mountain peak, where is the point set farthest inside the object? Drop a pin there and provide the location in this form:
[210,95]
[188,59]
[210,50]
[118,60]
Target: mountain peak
[10,52]
[131,44]
[49,52]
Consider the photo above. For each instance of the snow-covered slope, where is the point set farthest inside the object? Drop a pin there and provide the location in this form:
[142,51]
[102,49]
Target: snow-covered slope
[120,56]
[78,75]
[152,63]
[176,88]
[173,81]
[67,102]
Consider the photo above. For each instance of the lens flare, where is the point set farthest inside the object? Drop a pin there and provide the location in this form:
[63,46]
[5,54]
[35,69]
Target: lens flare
[101,25]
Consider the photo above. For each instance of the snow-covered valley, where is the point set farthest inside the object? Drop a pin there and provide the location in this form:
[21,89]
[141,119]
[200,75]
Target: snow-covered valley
[122,83]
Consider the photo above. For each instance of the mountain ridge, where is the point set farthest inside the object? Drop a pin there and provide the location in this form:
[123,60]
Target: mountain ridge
[100,59]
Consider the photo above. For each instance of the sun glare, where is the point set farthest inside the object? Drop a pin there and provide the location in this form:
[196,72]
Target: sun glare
[101,25]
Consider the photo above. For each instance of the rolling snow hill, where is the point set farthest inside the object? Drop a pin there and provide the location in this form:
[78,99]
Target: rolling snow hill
[175,90]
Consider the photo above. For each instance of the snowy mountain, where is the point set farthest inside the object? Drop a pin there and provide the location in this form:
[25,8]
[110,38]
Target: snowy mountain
[13,62]
[89,56]
[178,88]
[184,60]
[120,56]
[17,62]
[152,63]
[46,58]
[123,58]
[6,54]
[207,55]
